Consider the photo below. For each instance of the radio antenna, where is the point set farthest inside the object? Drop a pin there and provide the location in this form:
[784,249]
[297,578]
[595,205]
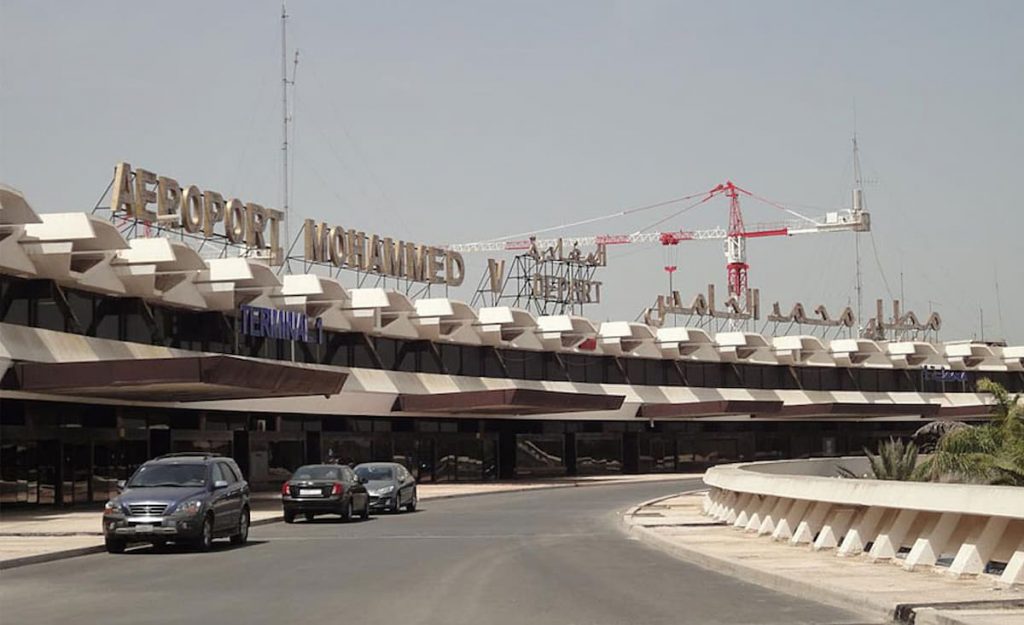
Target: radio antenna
[286,117]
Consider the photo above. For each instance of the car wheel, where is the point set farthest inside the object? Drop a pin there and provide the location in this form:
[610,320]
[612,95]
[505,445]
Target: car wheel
[398,505]
[289,516]
[243,529]
[366,510]
[114,546]
[412,502]
[346,514]
[309,516]
[205,542]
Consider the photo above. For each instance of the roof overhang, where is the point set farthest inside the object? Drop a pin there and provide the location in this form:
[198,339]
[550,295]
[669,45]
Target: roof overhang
[854,410]
[198,378]
[518,401]
[715,408]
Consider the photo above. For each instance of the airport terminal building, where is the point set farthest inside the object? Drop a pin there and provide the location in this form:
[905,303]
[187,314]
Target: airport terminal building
[115,349]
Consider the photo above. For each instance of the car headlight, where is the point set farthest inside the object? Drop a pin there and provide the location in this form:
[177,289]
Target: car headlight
[383,491]
[113,507]
[189,508]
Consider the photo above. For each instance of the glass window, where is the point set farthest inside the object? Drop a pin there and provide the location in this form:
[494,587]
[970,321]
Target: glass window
[171,475]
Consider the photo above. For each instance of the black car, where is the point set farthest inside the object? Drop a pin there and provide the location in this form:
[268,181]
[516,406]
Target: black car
[390,485]
[190,497]
[324,489]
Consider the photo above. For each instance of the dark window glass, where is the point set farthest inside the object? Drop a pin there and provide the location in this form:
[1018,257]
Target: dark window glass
[451,356]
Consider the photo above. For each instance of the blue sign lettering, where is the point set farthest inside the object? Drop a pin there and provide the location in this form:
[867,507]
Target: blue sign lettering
[270,323]
[944,375]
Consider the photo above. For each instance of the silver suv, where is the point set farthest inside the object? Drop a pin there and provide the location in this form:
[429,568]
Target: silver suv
[189,497]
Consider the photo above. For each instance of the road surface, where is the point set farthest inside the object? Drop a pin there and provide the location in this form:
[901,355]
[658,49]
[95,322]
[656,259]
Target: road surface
[547,557]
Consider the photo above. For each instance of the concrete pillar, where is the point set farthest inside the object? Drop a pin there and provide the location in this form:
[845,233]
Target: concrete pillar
[862,530]
[835,526]
[974,554]
[748,510]
[811,524]
[770,519]
[786,523]
[1014,571]
[888,542]
[740,504]
[928,548]
[767,503]
[718,504]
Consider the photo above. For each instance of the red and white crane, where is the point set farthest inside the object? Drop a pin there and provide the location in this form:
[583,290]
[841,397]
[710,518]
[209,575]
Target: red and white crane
[847,220]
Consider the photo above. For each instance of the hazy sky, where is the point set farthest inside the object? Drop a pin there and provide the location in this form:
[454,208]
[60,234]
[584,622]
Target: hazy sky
[457,121]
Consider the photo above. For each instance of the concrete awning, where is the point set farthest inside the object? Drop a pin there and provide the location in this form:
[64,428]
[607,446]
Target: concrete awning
[854,409]
[714,408]
[517,401]
[187,379]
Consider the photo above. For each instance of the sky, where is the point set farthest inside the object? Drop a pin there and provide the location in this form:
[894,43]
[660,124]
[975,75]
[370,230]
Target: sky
[454,121]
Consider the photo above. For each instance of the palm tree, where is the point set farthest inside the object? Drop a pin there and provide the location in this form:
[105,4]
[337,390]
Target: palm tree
[992,453]
[895,460]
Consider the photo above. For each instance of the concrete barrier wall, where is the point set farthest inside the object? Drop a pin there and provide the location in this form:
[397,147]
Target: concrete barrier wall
[957,529]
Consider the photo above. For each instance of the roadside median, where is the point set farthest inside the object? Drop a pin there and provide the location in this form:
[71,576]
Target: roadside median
[676,526]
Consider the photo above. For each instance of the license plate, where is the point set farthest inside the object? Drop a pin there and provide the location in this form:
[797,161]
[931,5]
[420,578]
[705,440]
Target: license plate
[143,529]
[309,492]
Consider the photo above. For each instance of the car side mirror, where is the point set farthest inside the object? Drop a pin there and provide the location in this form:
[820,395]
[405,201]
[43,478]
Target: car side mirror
[363,480]
[219,484]
[120,484]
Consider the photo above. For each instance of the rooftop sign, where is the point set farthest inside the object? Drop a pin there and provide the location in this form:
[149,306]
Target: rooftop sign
[384,256]
[202,212]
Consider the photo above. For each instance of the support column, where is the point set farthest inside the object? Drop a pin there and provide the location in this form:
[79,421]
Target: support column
[755,519]
[785,525]
[861,532]
[975,553]
[1014,571]
[738,506]
[836,525]
[889,541]
[810,525]
[769,521]
[927,549]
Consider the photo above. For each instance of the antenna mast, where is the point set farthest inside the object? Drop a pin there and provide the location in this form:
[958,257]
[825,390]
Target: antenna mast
[858,207]
[286,118]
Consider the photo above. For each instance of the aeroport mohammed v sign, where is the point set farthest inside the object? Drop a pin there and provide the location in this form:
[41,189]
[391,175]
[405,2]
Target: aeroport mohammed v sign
[207,214]
[196,211]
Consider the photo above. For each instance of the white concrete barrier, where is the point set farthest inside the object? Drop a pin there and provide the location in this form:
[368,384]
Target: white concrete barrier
[962,530]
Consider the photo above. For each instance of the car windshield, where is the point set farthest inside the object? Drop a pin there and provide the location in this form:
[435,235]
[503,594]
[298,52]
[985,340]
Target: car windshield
[317,473]
[191,474]
[375,473]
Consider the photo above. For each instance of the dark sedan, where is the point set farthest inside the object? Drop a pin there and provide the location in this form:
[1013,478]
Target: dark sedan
[324,489]
[390,485]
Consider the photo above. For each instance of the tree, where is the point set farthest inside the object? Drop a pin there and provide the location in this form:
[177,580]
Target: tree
[992,453]
[895,460]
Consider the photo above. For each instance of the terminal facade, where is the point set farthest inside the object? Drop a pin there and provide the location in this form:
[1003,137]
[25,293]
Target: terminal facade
[116,350]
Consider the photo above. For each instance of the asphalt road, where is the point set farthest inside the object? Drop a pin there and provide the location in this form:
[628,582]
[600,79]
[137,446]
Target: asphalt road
[547,556]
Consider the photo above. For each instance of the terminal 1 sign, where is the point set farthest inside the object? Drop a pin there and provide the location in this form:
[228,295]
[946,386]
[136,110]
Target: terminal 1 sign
[289,325]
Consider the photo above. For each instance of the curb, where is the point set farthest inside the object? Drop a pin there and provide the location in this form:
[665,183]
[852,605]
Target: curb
[861,605]
[50,557]
[84,551]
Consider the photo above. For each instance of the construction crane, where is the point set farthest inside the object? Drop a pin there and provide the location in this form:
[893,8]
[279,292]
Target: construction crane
[847,220]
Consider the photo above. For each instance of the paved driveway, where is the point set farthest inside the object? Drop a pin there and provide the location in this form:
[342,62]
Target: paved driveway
[547,556]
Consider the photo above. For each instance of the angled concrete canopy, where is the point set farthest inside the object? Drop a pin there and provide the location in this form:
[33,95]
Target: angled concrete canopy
[714,408]
[178,379]
[856,409]
[506,401]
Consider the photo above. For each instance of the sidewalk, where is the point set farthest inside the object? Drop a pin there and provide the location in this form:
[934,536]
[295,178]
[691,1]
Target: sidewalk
[31,535]
[876,590]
